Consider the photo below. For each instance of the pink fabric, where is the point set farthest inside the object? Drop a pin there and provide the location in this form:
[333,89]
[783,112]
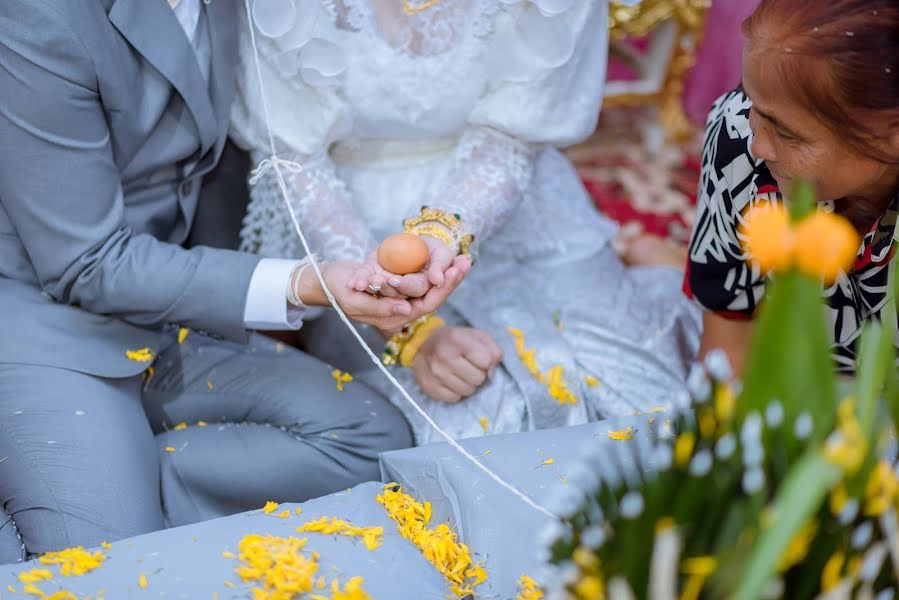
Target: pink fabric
[718,64]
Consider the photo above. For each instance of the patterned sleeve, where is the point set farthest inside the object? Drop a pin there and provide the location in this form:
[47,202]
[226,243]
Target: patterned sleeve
[718,276]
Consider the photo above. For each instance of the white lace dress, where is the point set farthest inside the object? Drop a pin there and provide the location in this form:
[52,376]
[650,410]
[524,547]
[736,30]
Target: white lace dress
[461,105]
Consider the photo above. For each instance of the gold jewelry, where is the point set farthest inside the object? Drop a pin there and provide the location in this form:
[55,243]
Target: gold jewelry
[429,222]
[421,335]
[412,10]
[402,348]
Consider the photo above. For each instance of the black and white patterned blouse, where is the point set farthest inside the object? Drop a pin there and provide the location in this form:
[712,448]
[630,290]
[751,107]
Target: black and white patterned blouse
[718,276]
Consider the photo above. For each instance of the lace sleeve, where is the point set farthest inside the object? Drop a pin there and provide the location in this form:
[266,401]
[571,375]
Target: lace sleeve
[490,172]
[322,205]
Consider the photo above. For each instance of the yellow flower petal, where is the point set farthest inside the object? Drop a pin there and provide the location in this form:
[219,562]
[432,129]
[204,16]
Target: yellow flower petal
[180,426]
[182,335]
[106,545]
[621,434]
[227,554]
[142,355]
[270,507]
[768,237]
[170,449]
[484,423]
[826,244]
[283,514]
[591,381]
[142,581]
[201,423]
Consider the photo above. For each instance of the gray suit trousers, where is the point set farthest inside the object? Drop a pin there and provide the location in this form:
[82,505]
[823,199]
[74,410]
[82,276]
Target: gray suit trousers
[85,459]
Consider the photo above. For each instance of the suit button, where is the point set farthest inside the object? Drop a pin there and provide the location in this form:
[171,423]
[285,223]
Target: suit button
[186,187]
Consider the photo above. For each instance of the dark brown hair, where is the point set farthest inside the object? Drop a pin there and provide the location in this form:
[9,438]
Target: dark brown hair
[843,56]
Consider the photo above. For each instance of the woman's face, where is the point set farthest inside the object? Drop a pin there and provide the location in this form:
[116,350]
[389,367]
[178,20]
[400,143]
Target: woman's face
[796,145]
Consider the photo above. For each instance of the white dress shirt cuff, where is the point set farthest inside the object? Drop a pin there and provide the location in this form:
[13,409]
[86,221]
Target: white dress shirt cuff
[267,306]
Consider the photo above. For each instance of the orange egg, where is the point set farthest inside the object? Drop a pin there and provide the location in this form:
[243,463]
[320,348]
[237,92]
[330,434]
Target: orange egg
[403,253]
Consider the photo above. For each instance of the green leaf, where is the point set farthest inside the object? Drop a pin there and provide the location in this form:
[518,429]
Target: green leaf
[800,497]
[876,356]
[790,355]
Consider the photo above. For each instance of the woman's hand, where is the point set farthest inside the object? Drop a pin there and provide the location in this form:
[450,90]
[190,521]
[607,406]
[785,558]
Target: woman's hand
[373,278]
[454,362]
[384,313]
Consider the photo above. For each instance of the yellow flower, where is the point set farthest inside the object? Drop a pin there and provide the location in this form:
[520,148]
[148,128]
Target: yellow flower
[725,402]
[797,549]
[341,378]
[590,588]
[707,422]
[35,575]
[768,237]
[61,595]
[276,566]
[75,561]
[142,581]
[283,514]
[352,590]
[528,589]
[484,423]
[438,545]
[826,244]
[881,489]
[683,448]
[838,499]
[830,574]
[622,434]
[697,569]
[142,355]
[33,590]
[182,335]
[298,511]
[554,379]
[372,537]
[270,507]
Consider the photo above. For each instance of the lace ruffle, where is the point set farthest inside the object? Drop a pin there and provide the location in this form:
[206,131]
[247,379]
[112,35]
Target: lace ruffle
[301,38]
[535,36]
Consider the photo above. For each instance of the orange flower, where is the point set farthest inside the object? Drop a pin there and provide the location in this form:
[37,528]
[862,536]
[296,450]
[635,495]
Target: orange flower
[826,244]
[768,237]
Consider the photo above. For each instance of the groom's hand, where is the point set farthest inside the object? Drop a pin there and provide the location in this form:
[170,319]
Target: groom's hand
[384,313]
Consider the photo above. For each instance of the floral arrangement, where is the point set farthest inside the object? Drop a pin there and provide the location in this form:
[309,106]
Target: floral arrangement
[782,486]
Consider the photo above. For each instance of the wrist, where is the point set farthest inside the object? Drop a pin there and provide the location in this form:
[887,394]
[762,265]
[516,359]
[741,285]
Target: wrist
[309,288]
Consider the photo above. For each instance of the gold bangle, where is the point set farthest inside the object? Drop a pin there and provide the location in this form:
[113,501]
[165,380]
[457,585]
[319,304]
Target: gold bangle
[437,232]
[429,222]
[411,348]
[394,347]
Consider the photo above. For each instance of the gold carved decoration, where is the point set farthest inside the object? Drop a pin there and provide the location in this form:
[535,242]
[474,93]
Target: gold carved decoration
[688,18]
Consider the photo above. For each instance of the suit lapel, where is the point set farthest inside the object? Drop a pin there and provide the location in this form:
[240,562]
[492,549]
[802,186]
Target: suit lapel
[151,27]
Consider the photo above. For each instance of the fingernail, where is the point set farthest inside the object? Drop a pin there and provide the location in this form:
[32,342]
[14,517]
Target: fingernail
[394,282]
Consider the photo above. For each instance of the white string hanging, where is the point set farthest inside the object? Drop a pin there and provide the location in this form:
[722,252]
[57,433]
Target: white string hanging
[275,163]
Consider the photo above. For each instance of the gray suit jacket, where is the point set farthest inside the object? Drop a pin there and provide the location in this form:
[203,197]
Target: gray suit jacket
[106,130]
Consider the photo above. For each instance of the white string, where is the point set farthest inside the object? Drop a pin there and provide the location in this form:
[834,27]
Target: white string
[275,163]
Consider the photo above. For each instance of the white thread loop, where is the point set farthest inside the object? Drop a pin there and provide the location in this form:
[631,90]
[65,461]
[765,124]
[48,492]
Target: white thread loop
[267,164]
[275,163]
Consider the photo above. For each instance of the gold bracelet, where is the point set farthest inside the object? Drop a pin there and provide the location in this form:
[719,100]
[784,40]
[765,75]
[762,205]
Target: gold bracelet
[428,222]
[393,349]
[421,335]
[438,232]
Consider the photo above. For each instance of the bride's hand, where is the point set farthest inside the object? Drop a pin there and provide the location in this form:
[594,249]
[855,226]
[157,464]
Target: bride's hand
[454,362]
[442,260]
